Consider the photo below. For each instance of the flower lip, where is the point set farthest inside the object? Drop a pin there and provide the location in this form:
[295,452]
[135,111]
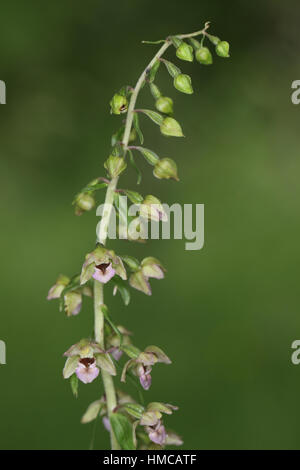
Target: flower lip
[87,361]
[103,267]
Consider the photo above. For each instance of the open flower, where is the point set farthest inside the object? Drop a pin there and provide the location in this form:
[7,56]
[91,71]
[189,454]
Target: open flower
[86,370]
[149,267]
[85,359]
[102,265]
[141,363]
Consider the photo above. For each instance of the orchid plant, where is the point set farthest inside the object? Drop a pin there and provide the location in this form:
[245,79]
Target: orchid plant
[131,423]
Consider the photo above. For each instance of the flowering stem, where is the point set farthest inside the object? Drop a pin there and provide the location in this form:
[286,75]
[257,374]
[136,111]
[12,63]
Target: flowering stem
[109,389]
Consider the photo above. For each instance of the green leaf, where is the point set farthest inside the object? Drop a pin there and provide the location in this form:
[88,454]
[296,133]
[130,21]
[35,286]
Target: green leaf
[104,310]
[153,71]
[134,196]
[123,289]
[123,432]
[171,68]
[138,171]
[150,156]
[136,125]
[74,385]
[153,115]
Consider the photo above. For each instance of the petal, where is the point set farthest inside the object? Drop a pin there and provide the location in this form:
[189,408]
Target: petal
[145,381]
[158,435]
[106,423]
[87,374]
[104,278]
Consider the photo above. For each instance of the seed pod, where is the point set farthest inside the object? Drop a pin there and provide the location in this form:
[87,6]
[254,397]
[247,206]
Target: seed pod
[170,127]
[185,52]
[183,83]
[164,105]
[203,56]
[166,168]
[222,49]
[118,104]
[115,165]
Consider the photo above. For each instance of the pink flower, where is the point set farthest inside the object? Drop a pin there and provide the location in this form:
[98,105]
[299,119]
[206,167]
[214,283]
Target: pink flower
[157,434]
[87,371]
[104,272]
[144,374]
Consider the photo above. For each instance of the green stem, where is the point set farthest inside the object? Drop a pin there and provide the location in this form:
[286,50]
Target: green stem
[108,383]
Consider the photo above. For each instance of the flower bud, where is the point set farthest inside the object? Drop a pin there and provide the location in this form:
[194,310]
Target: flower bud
[170,127]
[164,105]
[138,281]
[151,208]
[183,83]
[203,56]
[115,165]
[152,267]
[118,104]
[185,52]
[84,202]
[222,49]
[166,168]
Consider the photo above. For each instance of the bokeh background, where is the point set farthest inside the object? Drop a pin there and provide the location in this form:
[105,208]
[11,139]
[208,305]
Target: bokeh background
[227,314]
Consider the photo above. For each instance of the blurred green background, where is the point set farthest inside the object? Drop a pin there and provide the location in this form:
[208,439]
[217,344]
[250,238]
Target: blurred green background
[227,314]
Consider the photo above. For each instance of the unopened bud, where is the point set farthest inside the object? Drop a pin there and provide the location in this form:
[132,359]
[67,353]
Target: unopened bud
[166,168]
[151,208]
[203,56]
[84,202]
[185,52]
[164,105]
[222,49]
[115,165]
[118,104]
[183,83]
[170,127]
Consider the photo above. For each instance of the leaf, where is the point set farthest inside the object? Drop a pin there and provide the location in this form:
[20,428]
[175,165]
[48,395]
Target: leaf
[74,385]
[134,196]
[153,71]
[136,125]
[92,412]
[104,310]
[138,171]
[153,115]
[122,429]
[123,289]
[150,156]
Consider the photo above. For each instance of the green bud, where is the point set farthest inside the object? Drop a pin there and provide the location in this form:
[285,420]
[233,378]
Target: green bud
[118,104]
[203,56]
[115,165]
[138,281]
[183,83]
[185,52]
[170,127]
[166,168]
[84,202]
[222,49]
[164,105]
[151,208]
